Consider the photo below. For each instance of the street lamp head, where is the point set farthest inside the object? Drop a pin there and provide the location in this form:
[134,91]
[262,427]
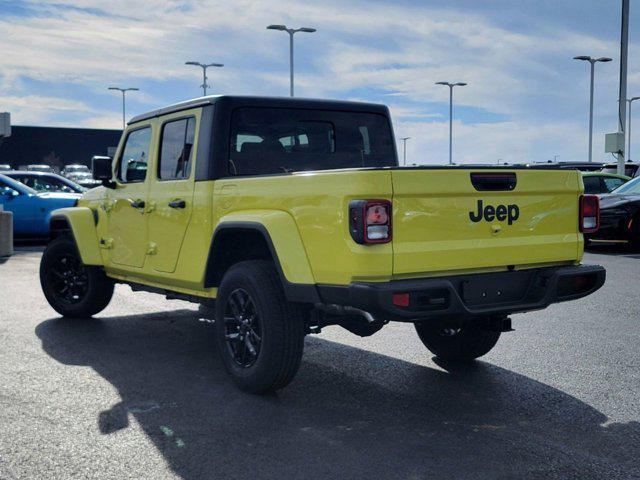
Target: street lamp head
[306,29]
[132,89]
[603,59]
[198,64]
[214,65]
[114,88]
[277,27]
[443,83]
[459,84]
[583,57]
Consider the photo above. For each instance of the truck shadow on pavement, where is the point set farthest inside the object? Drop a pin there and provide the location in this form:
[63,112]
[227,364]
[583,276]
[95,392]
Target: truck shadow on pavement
[350,413]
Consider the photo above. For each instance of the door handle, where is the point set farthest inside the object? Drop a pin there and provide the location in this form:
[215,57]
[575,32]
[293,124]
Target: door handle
[177,204]
[136,203]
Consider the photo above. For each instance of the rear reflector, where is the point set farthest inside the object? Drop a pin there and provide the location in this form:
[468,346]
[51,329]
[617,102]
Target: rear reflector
[401,299]
[589,213]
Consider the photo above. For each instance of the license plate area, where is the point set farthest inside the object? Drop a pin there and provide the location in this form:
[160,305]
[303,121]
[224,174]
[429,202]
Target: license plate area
[496,288]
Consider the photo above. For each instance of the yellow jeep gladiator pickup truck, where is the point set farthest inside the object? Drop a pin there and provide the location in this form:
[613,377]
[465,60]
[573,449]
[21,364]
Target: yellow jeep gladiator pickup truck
[289,215]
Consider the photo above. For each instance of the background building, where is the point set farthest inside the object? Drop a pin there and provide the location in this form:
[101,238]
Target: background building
[56,146]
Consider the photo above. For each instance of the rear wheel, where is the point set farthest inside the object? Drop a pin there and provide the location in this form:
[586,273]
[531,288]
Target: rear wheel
[260,334]
[460,343]
[73,290]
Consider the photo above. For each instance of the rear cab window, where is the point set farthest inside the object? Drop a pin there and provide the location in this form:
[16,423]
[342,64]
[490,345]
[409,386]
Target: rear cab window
[592,185]
[267,140]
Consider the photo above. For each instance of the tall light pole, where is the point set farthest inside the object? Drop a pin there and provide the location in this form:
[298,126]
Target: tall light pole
[451,85]
[631,100]
[124,91]
[404,149]
[593,62]
[204,67]
[291,31]
[622,91]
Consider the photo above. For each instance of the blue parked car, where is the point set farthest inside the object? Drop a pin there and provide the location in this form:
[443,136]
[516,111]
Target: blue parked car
[31,210]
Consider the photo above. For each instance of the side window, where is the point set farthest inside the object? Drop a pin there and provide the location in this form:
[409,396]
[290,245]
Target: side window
[133,161]
[592,185]
[175,152]
[612,183]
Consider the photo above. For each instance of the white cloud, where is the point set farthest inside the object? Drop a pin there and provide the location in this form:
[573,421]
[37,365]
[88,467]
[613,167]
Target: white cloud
[363,49]
[41,110]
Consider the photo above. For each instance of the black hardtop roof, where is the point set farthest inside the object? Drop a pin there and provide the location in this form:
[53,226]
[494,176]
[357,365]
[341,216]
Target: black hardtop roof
[274,102]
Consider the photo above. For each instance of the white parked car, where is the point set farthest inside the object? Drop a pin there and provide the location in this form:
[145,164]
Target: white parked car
[75,169]
[40,168]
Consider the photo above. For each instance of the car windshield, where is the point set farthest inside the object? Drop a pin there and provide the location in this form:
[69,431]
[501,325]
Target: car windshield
[631,187]
[14,185]
[47,182]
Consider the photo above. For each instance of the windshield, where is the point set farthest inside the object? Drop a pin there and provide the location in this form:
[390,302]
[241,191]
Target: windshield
[11,184]
[48,184]
[631,187]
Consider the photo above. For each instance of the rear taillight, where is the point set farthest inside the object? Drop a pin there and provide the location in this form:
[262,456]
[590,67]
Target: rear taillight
[589,213]
[370,221]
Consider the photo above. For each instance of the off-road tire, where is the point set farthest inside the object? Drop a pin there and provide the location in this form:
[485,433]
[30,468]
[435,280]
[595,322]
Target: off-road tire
[99,288]
[462,344]
[281,322]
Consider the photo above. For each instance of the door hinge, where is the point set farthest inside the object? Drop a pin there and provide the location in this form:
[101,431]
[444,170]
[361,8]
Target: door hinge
[152,249]
[106,243]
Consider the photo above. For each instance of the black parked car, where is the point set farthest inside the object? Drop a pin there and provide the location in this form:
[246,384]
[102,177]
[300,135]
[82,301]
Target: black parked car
[620,214]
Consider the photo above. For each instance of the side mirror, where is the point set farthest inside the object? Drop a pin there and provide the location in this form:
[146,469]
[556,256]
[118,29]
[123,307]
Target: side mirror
[101,170]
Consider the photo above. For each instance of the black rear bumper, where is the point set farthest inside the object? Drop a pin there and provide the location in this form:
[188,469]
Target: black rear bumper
[467,296]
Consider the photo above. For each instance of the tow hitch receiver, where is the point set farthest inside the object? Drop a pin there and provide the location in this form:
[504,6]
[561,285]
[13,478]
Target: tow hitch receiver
[497,324]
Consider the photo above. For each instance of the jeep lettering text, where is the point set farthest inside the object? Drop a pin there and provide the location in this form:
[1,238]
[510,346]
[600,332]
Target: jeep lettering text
[511,213]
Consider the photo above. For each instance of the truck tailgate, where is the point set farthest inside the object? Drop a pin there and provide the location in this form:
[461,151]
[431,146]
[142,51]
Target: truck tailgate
[451,220]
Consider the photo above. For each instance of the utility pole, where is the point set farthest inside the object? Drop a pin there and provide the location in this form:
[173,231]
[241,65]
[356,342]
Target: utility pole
[404,148]
[204,67]
[291,32]
[631,100]
[124,91]
[451,85]
[622,104]
[593,62]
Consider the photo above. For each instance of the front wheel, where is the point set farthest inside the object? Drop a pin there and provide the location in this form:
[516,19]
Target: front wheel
[73,290]
[461,343]
[260,335]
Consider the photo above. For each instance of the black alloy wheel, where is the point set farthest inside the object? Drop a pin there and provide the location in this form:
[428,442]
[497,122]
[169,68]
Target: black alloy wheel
[73,289]
[243,329]
[68,279]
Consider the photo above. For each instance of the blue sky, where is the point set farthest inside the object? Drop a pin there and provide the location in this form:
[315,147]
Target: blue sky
[527,100]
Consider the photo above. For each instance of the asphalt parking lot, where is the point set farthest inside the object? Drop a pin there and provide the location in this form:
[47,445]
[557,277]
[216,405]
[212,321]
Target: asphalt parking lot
[138,392]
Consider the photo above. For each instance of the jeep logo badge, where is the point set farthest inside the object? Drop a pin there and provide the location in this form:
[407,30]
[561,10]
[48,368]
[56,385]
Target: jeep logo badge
[511,213]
